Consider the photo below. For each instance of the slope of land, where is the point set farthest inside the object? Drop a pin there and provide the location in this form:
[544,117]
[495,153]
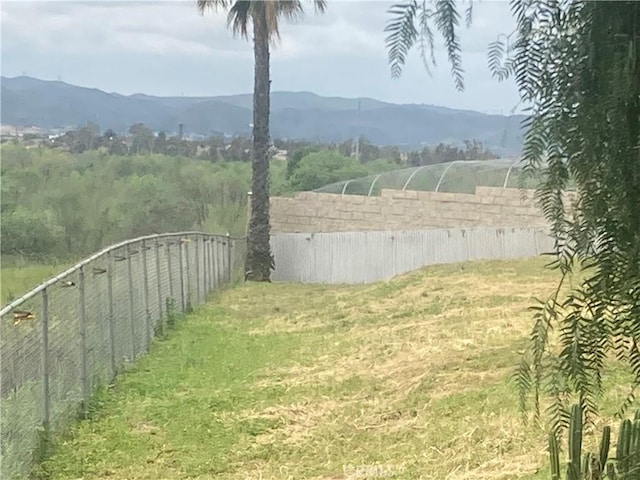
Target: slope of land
[406,379]
[28,101]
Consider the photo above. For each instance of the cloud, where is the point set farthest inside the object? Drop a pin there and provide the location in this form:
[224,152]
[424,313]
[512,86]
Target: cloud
[68,28]
[167,48]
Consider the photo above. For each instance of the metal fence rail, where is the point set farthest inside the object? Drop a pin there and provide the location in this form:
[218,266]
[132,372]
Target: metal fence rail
[74,332]
[363,257]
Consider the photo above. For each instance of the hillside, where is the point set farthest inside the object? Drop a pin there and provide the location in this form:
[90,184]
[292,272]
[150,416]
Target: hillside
[28,101]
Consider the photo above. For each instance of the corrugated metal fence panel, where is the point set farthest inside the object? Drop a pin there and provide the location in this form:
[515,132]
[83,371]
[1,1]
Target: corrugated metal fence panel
[365,257]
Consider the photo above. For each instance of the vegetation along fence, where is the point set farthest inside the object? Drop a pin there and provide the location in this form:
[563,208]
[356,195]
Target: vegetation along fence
[363,257]
[74,332]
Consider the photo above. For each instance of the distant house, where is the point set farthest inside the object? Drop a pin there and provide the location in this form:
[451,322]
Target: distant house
[202,150]
[277,154]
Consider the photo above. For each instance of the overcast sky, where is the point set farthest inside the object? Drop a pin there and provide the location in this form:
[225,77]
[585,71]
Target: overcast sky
[167,48]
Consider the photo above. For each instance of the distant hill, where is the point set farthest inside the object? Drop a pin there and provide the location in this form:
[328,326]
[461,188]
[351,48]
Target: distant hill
[28,101]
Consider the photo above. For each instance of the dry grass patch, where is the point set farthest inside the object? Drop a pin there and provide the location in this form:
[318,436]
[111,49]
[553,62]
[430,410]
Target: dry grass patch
[408,378]
[401,353]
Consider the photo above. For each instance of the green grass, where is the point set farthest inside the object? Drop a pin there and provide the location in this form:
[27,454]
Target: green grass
[16,281]
[408,379]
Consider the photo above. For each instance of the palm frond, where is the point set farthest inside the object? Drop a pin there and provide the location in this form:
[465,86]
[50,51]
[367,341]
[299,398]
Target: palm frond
[240,13]
[214,5]
[239,17]
[320,6]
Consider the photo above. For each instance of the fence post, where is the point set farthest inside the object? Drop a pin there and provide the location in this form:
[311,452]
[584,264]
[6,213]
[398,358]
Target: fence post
[167,249]
[132,315]
[188,269]
[205,265]
[214,262]
[249,212]
[159,285]
[228,258]
[214,248]
[197,272]
[145,294]
[210,263]
[112,334]
[83,340]
[46,417]
[181,265]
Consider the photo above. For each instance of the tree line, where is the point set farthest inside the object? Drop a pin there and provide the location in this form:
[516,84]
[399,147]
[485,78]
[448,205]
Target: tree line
[59,204]
[141,140]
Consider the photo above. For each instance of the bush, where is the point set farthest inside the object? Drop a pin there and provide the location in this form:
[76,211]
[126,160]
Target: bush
[322,168]
[30,234]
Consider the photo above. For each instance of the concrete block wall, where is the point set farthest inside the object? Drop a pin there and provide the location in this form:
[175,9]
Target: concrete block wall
[311,212]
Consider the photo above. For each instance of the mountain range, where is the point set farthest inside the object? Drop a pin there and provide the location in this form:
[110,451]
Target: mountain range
[28,101]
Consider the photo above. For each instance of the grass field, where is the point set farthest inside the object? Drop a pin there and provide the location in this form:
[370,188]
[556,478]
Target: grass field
[406,379]
[16,281]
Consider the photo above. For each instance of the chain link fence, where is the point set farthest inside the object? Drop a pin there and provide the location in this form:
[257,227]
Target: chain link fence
[76,331]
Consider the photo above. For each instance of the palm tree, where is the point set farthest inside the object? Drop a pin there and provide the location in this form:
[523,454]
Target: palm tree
[263,16]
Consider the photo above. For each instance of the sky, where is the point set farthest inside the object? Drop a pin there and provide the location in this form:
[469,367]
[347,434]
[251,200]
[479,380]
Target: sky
[167,48]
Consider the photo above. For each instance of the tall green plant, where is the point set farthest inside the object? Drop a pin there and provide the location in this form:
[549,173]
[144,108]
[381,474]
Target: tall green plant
[625,465]
[577,67]
[65,205]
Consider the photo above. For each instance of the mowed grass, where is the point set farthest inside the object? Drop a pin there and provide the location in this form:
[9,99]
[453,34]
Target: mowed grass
[403,379]
[16,281]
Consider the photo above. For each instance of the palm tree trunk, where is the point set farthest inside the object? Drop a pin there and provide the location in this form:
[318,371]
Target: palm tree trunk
[259,260]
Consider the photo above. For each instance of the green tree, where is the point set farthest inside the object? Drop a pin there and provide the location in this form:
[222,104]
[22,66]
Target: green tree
[32,234]
[94,199]
[294,157]
[154,204]
[264,16]
[215,144]
[322,168]
[87,137]
[143,138]
[367,151]
[239,150]
[584,128]
[391,152]
[160,145]
[577,67]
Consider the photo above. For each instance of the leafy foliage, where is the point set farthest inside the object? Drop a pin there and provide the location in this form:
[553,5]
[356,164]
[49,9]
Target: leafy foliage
[62,205]
[321,168]
[577,65]
[577,68]
[411,24]
[403,33]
